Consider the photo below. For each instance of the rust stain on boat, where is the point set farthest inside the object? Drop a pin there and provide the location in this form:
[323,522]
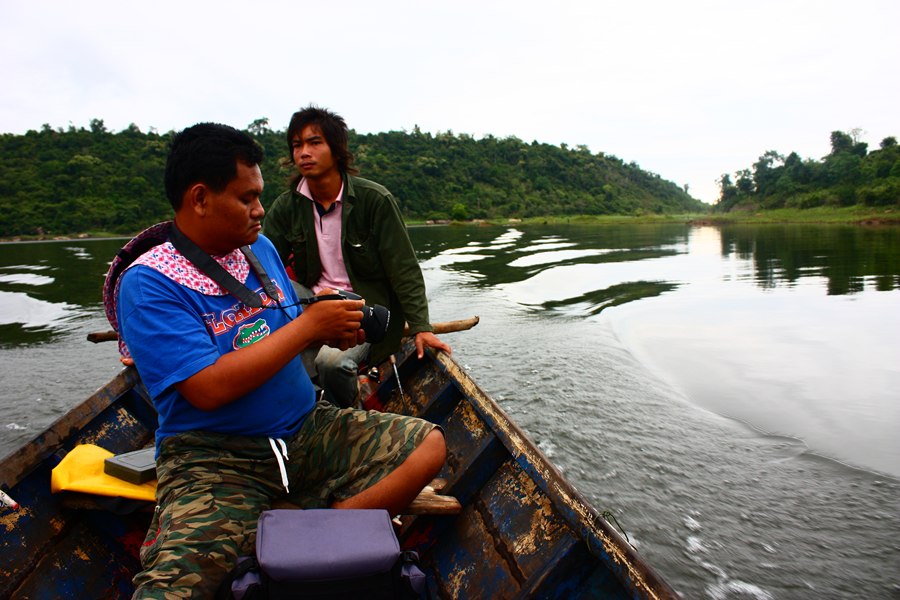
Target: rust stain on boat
[10,518]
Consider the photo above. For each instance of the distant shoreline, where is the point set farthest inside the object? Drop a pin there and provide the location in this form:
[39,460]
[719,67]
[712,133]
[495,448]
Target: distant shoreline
[74,237]
[852,215]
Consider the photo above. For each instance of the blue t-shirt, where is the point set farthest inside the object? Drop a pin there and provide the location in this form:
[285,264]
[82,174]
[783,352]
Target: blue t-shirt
[174,332]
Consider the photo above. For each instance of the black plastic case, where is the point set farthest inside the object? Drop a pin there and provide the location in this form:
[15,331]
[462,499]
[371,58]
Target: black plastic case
[134,467]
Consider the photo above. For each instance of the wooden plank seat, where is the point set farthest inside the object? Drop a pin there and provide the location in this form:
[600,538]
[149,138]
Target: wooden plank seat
[428,502]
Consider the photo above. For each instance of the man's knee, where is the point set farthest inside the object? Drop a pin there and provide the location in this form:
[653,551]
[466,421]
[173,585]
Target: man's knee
[432,451]
[337,375]
[332,361]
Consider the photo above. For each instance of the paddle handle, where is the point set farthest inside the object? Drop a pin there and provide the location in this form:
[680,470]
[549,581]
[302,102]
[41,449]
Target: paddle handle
[449,326]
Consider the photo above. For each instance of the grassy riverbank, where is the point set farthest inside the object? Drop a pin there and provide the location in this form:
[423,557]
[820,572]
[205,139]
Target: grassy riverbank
[851,215]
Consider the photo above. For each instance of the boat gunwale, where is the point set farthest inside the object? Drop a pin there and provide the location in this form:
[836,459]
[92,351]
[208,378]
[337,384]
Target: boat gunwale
[15,466]
[571,505]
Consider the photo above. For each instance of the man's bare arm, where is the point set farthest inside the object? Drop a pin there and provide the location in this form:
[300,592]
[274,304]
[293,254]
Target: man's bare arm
[238,373]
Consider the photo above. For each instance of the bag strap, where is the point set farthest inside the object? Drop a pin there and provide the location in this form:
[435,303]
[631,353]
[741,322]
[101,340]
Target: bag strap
[244,565]
[411,577]
[208,265]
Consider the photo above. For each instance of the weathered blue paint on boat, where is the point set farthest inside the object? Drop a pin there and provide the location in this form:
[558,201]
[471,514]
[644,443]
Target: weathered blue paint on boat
[50,550]
[524,532]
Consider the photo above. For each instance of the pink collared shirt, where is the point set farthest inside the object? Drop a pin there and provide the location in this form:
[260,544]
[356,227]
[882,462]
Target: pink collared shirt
[328,239]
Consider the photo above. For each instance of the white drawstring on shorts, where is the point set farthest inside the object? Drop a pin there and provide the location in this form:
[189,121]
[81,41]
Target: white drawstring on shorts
[278,456]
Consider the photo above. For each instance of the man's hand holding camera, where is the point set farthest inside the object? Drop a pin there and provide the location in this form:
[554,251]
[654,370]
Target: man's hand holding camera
[337,321]
[372,325]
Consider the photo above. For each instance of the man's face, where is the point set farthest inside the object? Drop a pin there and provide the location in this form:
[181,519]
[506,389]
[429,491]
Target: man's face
[234,215]
[311,153]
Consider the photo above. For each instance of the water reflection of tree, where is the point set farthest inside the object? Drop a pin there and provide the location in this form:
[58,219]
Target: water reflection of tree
[77,268]
[847,256]
[13,335]
[74,273]
[600,244]
[597,301]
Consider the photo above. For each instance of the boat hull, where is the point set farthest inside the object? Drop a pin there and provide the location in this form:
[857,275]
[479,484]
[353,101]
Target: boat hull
[524,531]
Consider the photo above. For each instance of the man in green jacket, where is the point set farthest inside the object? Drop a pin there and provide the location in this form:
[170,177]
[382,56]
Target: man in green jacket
[339,231]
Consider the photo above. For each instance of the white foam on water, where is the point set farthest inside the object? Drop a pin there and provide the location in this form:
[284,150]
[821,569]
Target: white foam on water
[729,590]
[695,545]
[547,447]
[724,588]
[692,523]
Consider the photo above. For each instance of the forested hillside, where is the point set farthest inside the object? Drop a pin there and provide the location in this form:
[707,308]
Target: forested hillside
[848,175]
[57,181]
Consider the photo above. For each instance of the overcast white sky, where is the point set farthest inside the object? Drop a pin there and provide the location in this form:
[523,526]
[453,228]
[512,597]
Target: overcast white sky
[687,89]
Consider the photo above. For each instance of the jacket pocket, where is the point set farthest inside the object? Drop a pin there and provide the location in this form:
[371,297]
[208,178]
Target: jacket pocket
[365,262]
[299,255]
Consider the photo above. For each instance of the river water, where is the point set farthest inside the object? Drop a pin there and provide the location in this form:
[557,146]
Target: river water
[729,394]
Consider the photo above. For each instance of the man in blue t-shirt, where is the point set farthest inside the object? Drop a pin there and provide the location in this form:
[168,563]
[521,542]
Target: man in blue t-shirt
[239,425]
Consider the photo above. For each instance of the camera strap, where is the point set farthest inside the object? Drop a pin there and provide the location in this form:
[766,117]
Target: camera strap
[314,299]
[268,284]
[212,269]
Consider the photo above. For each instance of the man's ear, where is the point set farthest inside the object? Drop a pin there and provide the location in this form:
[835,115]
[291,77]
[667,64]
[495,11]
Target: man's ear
[196,198]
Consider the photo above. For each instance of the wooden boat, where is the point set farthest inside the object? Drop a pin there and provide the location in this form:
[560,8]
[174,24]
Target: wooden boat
[523,532]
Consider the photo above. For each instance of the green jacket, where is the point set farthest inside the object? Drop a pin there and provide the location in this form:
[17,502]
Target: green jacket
[379,257]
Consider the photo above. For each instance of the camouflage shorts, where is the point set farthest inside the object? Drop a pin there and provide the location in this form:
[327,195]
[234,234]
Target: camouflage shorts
[212,487]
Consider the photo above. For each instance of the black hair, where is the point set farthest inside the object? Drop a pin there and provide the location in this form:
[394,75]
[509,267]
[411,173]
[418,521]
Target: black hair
[333,128]
[207,153]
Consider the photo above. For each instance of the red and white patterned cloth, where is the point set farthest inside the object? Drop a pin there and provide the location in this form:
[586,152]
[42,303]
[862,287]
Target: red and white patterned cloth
[161,255]
[173,264]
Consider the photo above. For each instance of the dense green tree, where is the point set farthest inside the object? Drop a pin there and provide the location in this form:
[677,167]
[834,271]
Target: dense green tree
[841,142]
[744,181]
[848,175]
[766,171]
[59,181]
[259,127]
[459,212]
[729,197]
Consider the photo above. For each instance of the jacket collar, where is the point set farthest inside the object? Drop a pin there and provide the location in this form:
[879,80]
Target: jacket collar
[348,195]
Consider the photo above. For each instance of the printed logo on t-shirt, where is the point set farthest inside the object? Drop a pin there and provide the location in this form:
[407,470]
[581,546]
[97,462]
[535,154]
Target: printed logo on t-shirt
[236,316]
[250,333]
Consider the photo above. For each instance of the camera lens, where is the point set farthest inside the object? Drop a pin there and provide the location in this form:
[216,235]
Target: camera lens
[375,322]
[376,318]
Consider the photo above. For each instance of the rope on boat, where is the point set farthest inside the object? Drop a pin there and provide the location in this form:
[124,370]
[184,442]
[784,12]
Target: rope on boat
[607,514]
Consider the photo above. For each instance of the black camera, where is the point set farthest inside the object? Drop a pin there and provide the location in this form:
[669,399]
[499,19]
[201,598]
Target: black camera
[376,318]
